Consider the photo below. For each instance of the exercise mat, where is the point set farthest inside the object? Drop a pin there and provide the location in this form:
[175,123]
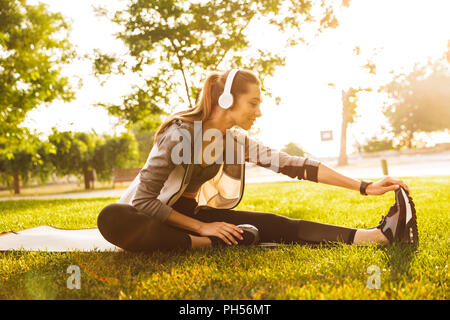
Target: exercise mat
[51,239]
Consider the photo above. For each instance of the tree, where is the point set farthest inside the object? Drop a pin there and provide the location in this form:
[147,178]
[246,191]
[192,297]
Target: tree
[375,144]
[420,101]
[30,161]
[349,97]
[349,105]
[115,152]
[84,154]
[74,154]
[172,44]
[144,139]
[293,150]
[33,47]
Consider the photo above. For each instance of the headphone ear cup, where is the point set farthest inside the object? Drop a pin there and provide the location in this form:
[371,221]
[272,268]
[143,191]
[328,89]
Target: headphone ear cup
[226,100]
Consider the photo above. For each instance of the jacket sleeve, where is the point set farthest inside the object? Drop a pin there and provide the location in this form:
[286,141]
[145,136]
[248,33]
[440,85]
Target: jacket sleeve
[281,162]
[153,176]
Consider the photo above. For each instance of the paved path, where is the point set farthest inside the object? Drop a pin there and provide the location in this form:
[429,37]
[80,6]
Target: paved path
[436,164]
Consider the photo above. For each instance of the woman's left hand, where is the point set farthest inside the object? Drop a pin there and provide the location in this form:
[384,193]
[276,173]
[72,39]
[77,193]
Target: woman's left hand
[384,185]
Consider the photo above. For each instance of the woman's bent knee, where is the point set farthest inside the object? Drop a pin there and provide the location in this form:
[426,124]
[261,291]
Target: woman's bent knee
[125,227]
[115,221]
[107,216]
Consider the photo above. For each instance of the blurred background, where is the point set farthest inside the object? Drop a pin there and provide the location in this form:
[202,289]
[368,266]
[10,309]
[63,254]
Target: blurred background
[361,85]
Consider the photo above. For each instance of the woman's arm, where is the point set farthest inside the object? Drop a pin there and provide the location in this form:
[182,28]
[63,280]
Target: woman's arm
[329,176]
[182,221]
[279,161]
[312,170]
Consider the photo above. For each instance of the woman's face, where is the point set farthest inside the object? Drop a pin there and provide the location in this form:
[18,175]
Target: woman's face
[247,107]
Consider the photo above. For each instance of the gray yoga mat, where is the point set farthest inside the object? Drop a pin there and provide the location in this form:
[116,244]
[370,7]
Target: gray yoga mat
[47,238]
[51,239]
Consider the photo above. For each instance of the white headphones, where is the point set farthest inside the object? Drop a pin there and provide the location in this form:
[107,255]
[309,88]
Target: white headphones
[226,99]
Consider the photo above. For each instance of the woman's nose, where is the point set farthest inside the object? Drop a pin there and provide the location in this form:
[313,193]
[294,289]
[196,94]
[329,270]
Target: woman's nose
[258,112]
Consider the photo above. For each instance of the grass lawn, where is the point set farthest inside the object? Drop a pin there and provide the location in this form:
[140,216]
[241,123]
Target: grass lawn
[288,272]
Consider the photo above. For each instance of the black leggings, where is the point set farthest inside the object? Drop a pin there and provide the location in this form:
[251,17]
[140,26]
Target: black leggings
[131,230]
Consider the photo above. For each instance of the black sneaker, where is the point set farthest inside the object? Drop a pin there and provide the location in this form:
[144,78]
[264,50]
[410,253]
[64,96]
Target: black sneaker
[250,237]
[400,224]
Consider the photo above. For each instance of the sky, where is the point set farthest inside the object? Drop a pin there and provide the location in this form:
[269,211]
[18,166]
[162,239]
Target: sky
[400,32]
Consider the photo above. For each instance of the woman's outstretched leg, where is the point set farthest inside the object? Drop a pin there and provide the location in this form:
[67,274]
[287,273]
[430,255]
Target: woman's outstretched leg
[399,225]
[277,228]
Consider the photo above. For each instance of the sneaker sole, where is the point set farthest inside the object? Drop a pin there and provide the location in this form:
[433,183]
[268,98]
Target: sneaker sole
[401,220]
[268,245]
[410,234]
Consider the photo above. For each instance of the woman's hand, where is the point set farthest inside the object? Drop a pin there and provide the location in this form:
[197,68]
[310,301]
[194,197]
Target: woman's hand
[222,230]
[384,185]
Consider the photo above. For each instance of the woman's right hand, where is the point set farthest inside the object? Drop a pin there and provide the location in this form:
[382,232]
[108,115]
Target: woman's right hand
[222,230]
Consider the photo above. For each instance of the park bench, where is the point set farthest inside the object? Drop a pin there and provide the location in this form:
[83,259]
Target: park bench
[124,174]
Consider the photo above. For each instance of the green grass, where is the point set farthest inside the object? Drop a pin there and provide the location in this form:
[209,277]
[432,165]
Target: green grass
[288,272]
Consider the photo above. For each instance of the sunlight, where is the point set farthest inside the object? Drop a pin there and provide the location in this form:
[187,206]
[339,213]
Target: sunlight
[395,34]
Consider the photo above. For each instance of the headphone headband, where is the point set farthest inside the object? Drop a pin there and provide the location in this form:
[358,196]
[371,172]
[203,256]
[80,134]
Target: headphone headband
[226,99]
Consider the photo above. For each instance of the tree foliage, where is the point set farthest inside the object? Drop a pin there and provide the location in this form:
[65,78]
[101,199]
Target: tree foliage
[86,155]
[293,150]
[173,42]
[375,144]
[145,140]
[82,154]
[31,160]
[420,101]
[33,47]
[115,152]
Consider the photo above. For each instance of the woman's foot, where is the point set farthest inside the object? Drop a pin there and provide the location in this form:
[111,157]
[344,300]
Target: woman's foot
[369,236]
[400,224]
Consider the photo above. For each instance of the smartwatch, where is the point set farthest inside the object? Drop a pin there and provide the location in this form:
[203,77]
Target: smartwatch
[363,187]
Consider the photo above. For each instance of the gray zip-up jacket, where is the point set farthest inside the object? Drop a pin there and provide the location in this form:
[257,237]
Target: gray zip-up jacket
[163,180]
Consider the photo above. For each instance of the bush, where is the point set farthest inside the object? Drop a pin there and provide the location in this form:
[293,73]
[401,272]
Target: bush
[374,144]
[293,150]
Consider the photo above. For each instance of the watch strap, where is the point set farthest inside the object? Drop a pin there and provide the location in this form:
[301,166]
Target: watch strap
[363,187]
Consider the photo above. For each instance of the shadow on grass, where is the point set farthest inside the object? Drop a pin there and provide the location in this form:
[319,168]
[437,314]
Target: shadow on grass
[399,258]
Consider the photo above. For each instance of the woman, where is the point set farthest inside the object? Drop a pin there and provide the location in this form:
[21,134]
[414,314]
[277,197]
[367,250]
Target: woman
[184,195]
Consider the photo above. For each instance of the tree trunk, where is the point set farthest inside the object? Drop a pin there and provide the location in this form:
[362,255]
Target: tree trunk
[93,178]
[16,183]
[87,178]
[343,160]
[410,140]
